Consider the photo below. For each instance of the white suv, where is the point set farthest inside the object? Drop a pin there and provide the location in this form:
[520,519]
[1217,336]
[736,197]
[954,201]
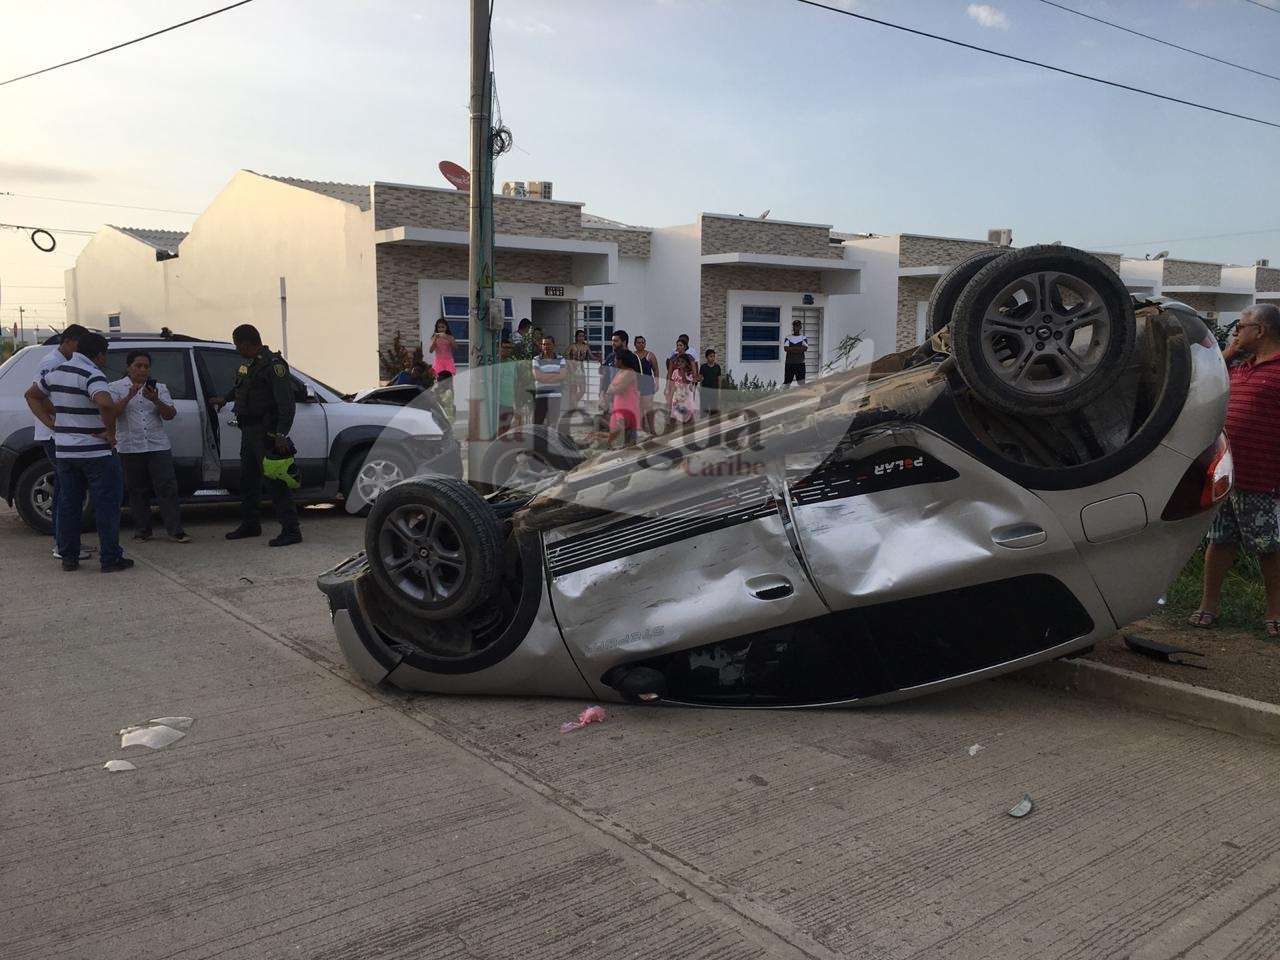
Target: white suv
[346,449]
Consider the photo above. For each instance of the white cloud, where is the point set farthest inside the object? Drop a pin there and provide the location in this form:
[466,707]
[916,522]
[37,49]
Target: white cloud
[524,24]
[988,16]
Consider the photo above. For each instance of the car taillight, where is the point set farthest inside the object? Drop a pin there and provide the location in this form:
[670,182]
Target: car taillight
[1204,483]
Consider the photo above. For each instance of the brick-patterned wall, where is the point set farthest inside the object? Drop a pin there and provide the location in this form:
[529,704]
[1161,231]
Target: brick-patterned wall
[1268,278]
[910,291]
[722,235]
[401,266]
[1189,273]
[449,210]
[718,281]
[1112,260]
[1199,302]
[916,251]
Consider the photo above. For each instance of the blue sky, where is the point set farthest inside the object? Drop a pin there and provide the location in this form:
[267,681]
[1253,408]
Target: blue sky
[652,110]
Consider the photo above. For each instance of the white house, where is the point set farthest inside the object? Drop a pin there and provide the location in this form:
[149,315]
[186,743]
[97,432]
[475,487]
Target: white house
[359,264]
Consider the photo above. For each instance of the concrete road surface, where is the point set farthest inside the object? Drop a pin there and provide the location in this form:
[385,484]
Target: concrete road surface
[307,815]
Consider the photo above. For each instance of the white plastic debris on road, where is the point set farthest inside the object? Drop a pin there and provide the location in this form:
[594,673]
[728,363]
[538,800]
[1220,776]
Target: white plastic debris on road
[156,734]
[973,751]
[118,766]
[1022,807]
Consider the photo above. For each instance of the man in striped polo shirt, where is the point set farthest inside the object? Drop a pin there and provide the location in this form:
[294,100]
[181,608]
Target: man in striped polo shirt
[37,401]
[83,436]
[1251,515]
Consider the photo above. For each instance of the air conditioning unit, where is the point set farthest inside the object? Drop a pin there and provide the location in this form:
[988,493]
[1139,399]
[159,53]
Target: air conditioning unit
[1262,263]
[1002,236]
[514,188]
[527,190]
[539,189]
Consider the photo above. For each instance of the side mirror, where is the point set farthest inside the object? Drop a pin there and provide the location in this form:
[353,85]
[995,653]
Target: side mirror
[311,394]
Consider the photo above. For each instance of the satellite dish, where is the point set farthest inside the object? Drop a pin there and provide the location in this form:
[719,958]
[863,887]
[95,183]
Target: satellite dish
[1161,255]
[457,176]
[765,215]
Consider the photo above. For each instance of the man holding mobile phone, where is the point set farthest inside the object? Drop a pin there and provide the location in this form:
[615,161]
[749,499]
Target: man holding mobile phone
[142,406]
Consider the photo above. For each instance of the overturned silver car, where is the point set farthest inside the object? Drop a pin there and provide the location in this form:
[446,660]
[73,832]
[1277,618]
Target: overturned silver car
[1013,490]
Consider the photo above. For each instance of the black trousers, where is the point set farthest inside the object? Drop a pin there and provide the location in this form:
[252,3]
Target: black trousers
[546,410]
[253,447]
[792,371]
[147,472]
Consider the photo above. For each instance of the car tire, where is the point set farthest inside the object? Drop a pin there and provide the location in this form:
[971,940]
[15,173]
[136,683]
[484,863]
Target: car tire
[942,302]
[1042,331]
[434,547]
[375,470]
[33,496]
[527,455]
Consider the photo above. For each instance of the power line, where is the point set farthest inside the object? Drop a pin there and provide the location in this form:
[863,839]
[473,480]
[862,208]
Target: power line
[20,226]
[29,286]
[1147,36]
[1036,63]
[95,203]
[1264,6]
[148,36]
[1207,236]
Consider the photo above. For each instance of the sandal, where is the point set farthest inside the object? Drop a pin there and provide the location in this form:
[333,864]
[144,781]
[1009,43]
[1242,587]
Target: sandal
[1204,619]
[1271,629]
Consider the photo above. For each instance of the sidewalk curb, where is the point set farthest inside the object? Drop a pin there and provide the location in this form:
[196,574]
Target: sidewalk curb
[1221,711]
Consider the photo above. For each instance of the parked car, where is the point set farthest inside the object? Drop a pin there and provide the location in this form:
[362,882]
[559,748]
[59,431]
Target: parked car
[346,449]
[1017,488]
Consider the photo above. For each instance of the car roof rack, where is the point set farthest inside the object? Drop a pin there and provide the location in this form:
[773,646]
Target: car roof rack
[114,335]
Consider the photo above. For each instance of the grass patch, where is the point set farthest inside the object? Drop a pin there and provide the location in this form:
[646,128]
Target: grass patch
[1243,596]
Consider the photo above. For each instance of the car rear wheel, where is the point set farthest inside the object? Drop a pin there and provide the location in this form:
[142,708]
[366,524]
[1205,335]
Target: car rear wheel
[33,496]
[1043,330]
[942,302]
[434,547]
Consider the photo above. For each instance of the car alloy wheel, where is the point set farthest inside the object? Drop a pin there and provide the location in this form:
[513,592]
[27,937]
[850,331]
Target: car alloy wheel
[42,496]
[422,552]
[1045,332]
[376,476]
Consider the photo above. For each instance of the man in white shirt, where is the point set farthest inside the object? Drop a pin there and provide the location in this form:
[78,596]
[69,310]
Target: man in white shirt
[59,355]
[795,347]
[142,405]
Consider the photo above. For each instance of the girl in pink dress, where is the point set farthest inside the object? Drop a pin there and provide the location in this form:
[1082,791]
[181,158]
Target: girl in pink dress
[443,364]
[681,385]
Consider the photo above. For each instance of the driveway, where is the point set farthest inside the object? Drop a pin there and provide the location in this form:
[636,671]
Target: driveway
[307,815]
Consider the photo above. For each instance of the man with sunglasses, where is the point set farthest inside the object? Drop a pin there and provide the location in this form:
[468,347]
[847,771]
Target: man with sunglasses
[1251,515]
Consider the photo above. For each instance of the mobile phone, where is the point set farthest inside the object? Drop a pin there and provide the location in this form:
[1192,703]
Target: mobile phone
[151,383]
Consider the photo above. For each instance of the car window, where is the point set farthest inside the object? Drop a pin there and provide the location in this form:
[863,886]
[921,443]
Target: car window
[218,370]
[169,367]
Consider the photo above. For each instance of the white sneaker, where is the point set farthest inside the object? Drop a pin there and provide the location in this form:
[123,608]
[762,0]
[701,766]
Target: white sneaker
[85,553]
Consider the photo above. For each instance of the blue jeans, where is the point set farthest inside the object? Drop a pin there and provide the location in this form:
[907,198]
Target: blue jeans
[104,480]
[51,452]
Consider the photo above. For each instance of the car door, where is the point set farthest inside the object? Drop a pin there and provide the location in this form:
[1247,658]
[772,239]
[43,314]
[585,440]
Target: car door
[171,366]
[218,368]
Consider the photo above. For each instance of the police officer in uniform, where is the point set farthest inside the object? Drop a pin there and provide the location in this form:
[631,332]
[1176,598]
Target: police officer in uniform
[264,407]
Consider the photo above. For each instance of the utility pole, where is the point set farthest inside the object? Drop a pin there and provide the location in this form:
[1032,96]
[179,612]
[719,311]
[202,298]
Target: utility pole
[284,322]
[21,328]
[483,384]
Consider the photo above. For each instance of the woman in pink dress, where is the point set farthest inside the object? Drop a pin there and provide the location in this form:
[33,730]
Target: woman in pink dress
[624,388]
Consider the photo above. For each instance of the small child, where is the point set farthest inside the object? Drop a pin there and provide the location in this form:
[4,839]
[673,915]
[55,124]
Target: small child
[709,375]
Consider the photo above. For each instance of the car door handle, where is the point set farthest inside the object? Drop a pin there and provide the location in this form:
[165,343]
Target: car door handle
[771,586]
[1019,535]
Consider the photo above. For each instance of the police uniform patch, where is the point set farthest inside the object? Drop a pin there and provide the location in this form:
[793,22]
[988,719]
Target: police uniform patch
[279,368]
[244,370]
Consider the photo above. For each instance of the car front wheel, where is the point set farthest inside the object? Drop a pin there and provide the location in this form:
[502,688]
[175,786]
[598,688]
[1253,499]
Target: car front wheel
[433,546]
[367,476]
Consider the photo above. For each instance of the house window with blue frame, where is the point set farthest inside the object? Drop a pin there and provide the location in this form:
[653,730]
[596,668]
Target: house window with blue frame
[457,316]
[761,334]
[598,322]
